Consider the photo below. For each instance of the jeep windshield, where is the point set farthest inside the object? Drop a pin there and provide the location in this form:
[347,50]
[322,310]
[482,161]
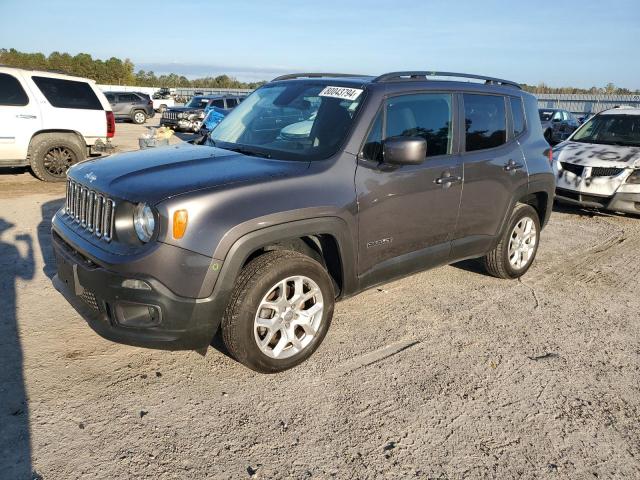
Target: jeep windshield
[290,121]
[610,130]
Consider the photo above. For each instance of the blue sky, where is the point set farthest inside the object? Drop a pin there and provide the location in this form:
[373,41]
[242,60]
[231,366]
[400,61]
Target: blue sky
[561,42]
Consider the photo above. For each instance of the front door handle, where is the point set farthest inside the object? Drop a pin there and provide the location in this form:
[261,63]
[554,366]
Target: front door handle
[512,166]
[26,117]
[447,180]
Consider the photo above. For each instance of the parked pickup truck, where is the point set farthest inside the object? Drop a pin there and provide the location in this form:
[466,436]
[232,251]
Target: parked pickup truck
[259,233]
[162,100]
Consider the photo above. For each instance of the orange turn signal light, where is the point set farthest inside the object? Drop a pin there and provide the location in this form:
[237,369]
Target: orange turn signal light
[180,220]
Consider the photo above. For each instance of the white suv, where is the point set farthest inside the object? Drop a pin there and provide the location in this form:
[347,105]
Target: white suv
[50,121]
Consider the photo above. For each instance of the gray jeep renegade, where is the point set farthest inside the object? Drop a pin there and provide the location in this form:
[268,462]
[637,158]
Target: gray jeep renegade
[316,187]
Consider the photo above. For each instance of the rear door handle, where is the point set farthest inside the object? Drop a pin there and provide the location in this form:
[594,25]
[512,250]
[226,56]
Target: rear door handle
[27,117]
[512,166]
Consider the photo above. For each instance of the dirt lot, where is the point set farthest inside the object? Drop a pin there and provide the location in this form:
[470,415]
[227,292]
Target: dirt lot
[446,374]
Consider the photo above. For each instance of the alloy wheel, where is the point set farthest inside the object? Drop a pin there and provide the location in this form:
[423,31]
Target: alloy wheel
[288,317]
[522,243]
[58,160]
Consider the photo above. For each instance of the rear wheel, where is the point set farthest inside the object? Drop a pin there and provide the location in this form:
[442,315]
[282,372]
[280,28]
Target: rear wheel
[279,312]
[139,117]
[518,246]
[52,154]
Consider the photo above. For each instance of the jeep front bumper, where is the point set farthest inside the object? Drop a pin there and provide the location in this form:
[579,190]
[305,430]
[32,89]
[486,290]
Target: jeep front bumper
[154,317]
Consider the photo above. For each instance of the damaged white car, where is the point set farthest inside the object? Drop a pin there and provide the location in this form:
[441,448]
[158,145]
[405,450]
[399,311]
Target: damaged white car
[599,165]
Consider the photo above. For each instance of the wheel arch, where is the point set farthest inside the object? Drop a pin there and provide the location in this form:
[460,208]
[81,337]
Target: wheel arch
[324,239]
[540,202]
[75,133]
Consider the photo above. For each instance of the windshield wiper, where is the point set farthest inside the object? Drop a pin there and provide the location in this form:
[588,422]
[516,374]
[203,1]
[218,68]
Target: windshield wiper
[247,151]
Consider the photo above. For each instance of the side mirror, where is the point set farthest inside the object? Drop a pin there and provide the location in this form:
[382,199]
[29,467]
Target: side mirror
[556,120]
[404,150]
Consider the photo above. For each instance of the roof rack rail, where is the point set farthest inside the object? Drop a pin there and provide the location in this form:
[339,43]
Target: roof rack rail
[424,75]
[291,76]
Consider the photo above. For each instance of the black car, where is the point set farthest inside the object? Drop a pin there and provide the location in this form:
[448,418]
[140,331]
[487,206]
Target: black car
[133,106]
[557,124]
[190,117]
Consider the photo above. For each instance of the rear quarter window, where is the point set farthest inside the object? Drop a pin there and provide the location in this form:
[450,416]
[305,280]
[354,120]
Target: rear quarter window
[63,93]
[485,121]
[517,114]
[11,92]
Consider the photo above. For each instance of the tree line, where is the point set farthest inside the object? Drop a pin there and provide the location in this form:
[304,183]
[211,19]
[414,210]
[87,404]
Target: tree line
[608,89]
[115,71]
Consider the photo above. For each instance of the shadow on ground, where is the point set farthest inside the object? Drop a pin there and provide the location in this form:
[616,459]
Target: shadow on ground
[15,441]
[48,209]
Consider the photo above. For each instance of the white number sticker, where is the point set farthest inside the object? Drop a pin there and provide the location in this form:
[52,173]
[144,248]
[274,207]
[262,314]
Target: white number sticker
[344,93]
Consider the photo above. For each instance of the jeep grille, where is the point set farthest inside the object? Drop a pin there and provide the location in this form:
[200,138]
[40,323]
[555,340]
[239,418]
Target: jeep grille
[92,210]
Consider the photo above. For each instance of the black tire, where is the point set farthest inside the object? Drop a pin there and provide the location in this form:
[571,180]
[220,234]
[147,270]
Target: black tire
[139,117]
[51,155]
[254,282]
[497,262]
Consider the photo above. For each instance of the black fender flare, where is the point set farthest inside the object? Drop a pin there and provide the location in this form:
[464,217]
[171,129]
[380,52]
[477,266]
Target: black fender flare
[243,247]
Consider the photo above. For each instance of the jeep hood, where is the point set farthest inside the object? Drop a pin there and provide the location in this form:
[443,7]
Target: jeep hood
[155,174]
[597,155]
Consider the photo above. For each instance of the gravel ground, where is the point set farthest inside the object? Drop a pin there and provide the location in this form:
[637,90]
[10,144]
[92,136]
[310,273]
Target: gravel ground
[445,374]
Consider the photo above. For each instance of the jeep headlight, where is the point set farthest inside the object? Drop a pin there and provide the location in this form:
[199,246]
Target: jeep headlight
[144,222]
[181,115]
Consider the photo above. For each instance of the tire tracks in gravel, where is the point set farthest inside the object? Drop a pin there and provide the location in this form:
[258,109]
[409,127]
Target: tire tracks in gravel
[580,265]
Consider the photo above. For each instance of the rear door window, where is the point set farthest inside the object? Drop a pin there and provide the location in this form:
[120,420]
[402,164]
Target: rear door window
[231,102]
[11,92]
[426,115]
[485,121]
[517,113]
[63,93]
[127,98]
[218,103]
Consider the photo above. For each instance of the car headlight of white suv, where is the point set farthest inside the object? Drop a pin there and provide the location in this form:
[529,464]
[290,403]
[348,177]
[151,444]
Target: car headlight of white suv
[634,178]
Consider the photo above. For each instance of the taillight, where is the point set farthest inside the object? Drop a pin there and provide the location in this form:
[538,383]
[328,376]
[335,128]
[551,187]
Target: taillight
[549,153]
[111,124]
[150,102]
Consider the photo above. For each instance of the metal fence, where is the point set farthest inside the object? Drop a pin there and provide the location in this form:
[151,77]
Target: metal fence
[585,103]
[178,92]
[190,92]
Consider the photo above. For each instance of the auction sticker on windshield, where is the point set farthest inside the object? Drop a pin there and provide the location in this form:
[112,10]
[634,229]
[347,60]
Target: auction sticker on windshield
[344,93]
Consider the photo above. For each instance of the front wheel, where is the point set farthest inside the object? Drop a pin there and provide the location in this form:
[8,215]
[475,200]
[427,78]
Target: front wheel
[517,247]
[279,312]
